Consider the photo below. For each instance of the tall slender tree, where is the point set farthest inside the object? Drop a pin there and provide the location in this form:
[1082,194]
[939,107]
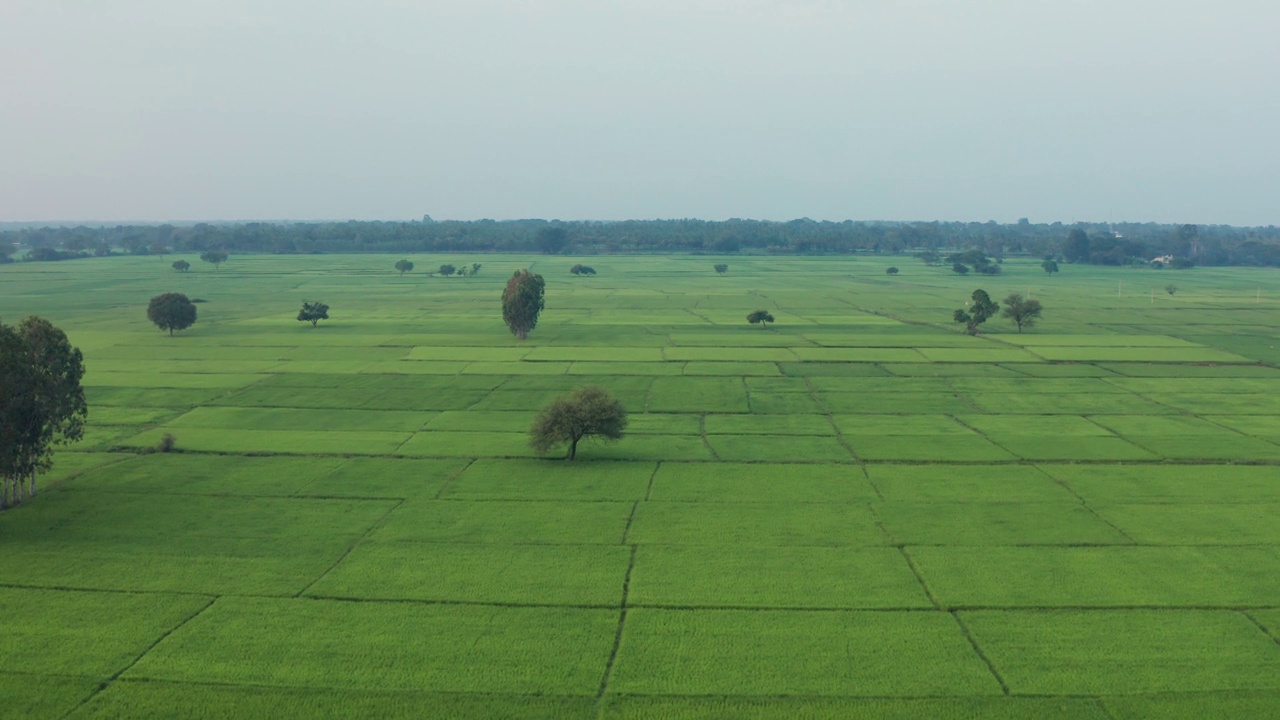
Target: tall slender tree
[522,302]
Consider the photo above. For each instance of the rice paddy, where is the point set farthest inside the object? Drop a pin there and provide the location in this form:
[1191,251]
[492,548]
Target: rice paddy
[856,512]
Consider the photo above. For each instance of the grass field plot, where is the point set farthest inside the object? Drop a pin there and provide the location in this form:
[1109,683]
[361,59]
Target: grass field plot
[728,354]
[1200,524]
[299,442]
[319,643]
[778,577]
[1073,403]
[1260,705]
[595,354]
[731,369]
[831,369]
[950,370]
[779,448]
[967,483]
[978,355]
[1201,403]
[518,574]
[698,394]
[1190,484]
[768,524]
[506,522]
[466,444]
[197,701]
[760,482]
[305,420]
[1018,577]
[179,473]
[857,355]
[772,652]
[28,695]
[925,447]
[384,477]
[995,524]
[784,403]
[1141,355]
[52,635]
[1125,652]
[905,403]
[582,480]
[768,425]
[971,708]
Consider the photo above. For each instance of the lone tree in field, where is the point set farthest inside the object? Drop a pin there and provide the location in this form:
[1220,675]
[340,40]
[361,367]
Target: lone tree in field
[181,265]
[403,266]
[1022,311]
[978,311]
[761,317]
[171,311]
[721,268]
[217,257]
[1050,266]
[41,402]
[522,301]
[582,270]
[475,268]
[313,312]
[447,270]
[891,271]
[1171,289]
[586,412]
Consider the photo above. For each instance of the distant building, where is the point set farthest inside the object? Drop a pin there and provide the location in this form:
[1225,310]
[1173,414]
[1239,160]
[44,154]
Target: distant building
[1163,259]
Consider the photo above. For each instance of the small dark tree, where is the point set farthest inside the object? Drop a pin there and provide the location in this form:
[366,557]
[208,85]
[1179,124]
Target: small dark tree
[522,301]
[721,268]
[891,271]
[217,257]
[1050,266]
[761,317]
[462,271]
[978,311]
[181,265]
[960,269]
[313,312]
[586,412]
[1022,311]
[475,268]
[1171,289]
[171,311]
[403,266]
[582,270]
[447,270]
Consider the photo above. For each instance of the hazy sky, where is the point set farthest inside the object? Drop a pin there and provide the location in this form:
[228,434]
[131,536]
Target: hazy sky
[1165,110]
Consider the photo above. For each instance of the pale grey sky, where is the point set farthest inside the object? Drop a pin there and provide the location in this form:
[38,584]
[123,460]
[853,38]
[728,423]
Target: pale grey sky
[1165,110]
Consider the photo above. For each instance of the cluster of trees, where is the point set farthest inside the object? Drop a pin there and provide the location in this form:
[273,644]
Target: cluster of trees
[582,270]
[1098,243]
[976,260]
[41,402]
[461,271]
[1022,311]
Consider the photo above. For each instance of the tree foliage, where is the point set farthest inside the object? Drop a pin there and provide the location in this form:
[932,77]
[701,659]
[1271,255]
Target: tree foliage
[403,266]
[978,310]
[960,268]
[582,270]
[586,412]
[217,257]
[522,302]
[760,317]
[41,402]
[447,270]
[891,271]
[1050,266]
[181,265]
[1022,311]
[313,312]
[553,239]
[721,268]
[171,311]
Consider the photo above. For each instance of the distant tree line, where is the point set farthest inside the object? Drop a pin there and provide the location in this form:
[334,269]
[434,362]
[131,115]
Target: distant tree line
[1094,243]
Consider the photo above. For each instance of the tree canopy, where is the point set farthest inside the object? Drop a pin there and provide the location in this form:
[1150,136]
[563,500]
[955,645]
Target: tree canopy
[760,317]
[1022,311]
[582,270]
[980,309]
[586,412]
[313,312]
[522,302]
[217,257]
[171,311]
[181,265]
[447,270]
[721,268]
[403,266]
[1050,266]
[41,402]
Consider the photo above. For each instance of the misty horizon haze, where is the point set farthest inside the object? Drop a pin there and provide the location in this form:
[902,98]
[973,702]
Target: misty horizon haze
[713,109]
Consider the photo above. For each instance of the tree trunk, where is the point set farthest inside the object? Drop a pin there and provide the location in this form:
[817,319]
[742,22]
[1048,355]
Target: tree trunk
[32,492]
[170,331]
[522,335]
[573,449]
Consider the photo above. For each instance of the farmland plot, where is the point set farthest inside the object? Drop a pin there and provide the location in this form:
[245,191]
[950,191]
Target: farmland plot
[856,512]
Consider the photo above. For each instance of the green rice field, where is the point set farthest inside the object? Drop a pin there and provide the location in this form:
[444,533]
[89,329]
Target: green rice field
[857,512]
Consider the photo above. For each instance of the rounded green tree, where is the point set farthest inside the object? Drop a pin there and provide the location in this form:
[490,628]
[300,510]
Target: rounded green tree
[586,412]
[171,311]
